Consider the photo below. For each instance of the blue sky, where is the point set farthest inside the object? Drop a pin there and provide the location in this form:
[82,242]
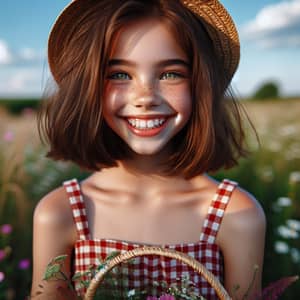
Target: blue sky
[269,32]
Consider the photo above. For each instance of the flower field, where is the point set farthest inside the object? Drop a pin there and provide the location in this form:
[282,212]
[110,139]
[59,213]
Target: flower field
[271,173]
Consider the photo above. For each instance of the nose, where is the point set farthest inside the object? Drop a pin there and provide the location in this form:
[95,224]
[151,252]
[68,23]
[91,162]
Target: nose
[146,96]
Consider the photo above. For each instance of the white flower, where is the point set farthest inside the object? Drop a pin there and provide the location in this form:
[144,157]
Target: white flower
[266,173]
[295,254]
[274,146]
[281,247]
[293,224]
[287,232]
[131,293]
[284,202]
[292,152]
[288,130]
[295,177]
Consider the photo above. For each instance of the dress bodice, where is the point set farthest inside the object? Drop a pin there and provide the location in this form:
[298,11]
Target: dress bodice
[144,271]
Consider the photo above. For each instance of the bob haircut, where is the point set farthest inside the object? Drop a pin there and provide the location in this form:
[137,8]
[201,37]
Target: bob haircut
[71,119]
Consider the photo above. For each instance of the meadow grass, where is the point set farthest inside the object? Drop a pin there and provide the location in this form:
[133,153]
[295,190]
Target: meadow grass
[271,173]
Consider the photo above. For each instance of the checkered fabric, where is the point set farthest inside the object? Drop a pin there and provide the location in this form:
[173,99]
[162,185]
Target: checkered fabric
[141,272]
[216,211]
[78,209]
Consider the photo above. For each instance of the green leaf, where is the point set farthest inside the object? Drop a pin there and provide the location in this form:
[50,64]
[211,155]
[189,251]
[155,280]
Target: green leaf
[112,255]
[77,276]
[85,283]
[51,271]
[102,266]
[60,258]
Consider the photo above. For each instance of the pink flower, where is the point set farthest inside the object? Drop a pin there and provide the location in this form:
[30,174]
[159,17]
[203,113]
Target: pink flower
[2,254]
[167,297]
[8,136]
[24,264]
[6,228]
[27,112]
[163,297]
[2,276]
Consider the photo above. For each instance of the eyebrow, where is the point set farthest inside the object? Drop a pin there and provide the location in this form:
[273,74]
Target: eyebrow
[162,63]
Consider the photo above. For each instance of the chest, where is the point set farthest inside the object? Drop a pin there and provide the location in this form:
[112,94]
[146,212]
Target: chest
[162,217]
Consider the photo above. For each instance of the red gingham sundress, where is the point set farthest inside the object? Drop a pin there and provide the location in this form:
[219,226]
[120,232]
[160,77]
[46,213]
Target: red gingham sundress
[146,269]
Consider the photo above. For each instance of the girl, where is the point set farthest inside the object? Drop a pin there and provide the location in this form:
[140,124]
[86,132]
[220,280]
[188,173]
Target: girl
[139,101]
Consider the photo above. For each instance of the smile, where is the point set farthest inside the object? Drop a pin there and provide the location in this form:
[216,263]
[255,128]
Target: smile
[147,126]
[143,124]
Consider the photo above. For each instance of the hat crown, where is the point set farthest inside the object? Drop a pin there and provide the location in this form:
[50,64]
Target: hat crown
[217,21]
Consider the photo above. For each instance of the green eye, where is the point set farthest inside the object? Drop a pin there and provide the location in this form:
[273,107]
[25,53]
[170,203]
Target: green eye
[171,75]
[119,76]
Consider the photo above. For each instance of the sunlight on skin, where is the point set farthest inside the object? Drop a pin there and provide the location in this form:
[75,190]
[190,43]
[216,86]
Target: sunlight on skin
[148,80]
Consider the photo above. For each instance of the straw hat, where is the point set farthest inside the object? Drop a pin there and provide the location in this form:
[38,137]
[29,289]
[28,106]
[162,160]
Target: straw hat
[215,18]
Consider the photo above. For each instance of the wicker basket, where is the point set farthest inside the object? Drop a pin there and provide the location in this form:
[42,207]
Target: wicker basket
[188,260]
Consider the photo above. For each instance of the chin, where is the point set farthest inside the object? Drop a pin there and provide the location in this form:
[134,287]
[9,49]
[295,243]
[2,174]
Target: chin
[146,150]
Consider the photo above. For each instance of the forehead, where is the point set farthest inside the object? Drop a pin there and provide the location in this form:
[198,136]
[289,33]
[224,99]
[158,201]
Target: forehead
[146,39]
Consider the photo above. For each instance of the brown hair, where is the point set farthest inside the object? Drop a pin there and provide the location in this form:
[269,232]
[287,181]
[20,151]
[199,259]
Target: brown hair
[71,119]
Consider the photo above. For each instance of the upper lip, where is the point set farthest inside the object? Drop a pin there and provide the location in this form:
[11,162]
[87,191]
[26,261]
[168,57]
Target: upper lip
[148,117]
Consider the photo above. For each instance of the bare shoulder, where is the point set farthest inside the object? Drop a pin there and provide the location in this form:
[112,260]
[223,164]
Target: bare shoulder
[241,238]
[244,206]
[54,211]
[243,216]
[54,234]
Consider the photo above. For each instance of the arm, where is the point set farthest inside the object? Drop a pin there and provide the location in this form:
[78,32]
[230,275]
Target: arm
[242,240]
[53,234]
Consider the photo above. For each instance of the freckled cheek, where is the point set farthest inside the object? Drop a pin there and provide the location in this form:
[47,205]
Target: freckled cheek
[115,96]
[179,97]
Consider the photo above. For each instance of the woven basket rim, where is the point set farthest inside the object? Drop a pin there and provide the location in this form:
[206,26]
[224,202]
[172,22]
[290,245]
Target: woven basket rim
[148,250]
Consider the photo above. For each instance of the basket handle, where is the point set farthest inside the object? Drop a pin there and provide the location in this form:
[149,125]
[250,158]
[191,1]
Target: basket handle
[188,260]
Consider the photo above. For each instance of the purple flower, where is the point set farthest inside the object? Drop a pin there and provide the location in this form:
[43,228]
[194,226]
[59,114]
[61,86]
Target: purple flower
[2,276]
[6,228]
[2,254]
[275,289]
[24,264]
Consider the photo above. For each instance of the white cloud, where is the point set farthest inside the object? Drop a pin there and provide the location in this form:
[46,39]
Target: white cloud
[22,71]
[276,25]
[5,54]
[21,81]
[29,55]
[22,56]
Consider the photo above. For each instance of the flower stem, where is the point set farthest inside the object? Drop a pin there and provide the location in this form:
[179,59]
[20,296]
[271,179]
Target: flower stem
[251,283]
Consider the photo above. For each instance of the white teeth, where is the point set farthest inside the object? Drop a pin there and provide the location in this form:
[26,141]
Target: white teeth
[150,123]
[146,124]
[143,124]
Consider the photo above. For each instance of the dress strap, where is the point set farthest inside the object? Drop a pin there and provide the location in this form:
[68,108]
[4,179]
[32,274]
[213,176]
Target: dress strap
[72,188]
[216,210]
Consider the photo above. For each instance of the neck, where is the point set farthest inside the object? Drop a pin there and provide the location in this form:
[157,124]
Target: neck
[148,164]
[142,165]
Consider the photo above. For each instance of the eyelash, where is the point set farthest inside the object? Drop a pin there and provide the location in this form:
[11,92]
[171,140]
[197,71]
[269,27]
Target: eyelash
[112,76]
[174,73]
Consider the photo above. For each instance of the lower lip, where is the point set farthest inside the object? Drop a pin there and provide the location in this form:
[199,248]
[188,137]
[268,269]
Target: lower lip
[147,132]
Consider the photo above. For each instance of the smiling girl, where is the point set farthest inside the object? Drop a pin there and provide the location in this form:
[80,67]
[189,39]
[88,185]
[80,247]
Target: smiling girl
[140,103]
